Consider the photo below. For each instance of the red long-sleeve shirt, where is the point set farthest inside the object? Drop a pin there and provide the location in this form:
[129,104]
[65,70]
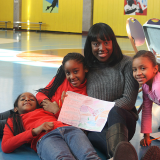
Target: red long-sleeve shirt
[30,120]
[65,86]
[36,118]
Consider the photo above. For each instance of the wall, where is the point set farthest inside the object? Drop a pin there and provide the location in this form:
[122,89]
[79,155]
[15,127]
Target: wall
[112,13]
[6,12]
[68,18]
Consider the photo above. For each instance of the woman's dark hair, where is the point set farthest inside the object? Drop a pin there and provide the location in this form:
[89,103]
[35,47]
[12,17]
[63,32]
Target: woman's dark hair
[60,76]
[102,31]
[16,119]
[149,55]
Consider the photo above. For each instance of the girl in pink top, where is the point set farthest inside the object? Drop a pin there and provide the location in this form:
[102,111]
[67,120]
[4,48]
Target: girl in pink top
[145,71]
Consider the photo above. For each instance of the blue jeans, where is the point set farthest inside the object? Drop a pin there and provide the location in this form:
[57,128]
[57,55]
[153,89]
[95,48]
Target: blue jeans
[66,143]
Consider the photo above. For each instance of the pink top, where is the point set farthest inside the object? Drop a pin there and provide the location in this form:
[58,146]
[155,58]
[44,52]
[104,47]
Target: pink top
[148,98]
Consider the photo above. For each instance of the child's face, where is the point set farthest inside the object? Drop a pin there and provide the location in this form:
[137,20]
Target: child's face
[75,72]
[143,70]
[102,50]
[26,103]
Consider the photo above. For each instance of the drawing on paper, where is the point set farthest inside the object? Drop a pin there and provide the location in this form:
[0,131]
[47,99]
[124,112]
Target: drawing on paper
[85,112]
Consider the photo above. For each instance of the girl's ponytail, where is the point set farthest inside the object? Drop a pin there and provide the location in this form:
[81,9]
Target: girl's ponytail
[59,78]
[17,123]
[16,119]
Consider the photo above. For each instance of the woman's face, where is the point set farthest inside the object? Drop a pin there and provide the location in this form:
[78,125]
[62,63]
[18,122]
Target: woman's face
[102,50]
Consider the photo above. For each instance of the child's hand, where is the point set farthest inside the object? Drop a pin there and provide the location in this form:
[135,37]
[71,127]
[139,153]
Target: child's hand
[46,126]
[63,96]
[50,106]
[146,141]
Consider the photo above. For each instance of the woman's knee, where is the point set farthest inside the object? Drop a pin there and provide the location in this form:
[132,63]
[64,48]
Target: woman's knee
[113,110]
[116,115]
[116,110]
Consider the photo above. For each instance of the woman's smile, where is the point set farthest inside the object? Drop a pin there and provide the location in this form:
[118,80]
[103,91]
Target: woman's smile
[103,54]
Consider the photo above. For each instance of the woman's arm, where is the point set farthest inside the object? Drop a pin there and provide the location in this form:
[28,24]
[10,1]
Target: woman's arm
[130,90]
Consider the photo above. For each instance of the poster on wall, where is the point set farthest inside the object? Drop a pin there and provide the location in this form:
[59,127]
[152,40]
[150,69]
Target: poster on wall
[135,7]
[50,6]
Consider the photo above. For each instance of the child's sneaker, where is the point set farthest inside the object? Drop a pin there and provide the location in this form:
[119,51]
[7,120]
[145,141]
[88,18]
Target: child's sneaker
[125,151]
[153,153]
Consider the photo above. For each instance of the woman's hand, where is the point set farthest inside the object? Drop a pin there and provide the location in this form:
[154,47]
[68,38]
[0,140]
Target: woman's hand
[46,126]
[50,106]
[146,141]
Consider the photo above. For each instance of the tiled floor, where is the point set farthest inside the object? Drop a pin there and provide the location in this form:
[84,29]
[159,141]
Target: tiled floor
[29,60]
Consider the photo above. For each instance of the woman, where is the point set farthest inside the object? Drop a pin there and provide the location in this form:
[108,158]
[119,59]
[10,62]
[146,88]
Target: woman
[110,78]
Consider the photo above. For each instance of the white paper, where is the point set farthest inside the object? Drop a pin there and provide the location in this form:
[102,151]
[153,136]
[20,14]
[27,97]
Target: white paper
[155,135]
[85,112]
